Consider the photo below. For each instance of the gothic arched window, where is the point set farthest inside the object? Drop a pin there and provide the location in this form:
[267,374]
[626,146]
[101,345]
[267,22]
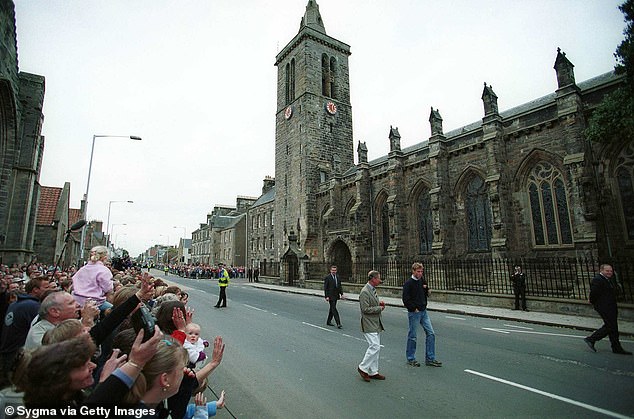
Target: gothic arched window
[287,84]
[385,227]
[549,206]
[478,215]
[292,81]
[424,222]
[333,74]
[625,180]
[325,75]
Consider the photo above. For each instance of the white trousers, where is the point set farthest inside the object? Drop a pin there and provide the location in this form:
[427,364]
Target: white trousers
[370,363]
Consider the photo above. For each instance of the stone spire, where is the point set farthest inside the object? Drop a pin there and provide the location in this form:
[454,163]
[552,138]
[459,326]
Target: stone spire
[565,70]
[435,120]
[490,100]
[395,139]
[362,151]
[312,18]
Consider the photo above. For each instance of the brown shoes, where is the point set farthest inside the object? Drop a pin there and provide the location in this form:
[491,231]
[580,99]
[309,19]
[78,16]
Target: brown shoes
[364,375]
[378,376]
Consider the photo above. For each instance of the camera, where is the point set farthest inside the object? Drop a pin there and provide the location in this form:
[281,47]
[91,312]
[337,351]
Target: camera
[148,323]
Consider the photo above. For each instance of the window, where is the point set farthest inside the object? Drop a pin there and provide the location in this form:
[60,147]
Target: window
[332,74]
[272,218]
[292,81]
[478,215]
[385,227]
[424,222]
[549,206]
[325,75]
[289,82]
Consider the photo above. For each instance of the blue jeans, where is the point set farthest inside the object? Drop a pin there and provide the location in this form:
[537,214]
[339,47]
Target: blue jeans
[430,338]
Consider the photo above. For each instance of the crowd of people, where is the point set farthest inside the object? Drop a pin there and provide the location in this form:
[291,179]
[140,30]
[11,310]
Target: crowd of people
[204,271]
[98,337]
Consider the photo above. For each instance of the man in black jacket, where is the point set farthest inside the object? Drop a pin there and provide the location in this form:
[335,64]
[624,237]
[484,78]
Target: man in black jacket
[332,293]
[415,293]
[603,292]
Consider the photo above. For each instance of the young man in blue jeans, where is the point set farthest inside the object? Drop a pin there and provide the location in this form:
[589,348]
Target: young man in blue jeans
[415,293]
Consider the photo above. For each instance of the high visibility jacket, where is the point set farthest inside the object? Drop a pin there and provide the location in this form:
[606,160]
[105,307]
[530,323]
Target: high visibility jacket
[223,280]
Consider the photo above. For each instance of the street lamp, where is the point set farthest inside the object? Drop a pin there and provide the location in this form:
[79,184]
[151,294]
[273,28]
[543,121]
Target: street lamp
[92,151]
[112,229]
[108,223]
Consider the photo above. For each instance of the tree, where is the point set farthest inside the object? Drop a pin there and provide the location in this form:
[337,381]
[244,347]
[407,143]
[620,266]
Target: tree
[613,119]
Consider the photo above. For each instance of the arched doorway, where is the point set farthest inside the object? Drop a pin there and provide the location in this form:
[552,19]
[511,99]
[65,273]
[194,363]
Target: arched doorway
[340,256]
[291,267]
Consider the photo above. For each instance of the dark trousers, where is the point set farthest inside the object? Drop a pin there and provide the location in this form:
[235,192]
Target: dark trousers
[333,312]
[6,364]
[520,294]
[222,298]
[610,328]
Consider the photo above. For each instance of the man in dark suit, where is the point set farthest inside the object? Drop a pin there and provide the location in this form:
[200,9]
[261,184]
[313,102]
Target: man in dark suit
[603,292]
[332,293]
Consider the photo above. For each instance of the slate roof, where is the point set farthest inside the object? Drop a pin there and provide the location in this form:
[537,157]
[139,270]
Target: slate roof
[49,197]
[269,196]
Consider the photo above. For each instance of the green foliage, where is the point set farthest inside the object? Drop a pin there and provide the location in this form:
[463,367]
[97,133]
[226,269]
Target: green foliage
[625,51]
[613,119]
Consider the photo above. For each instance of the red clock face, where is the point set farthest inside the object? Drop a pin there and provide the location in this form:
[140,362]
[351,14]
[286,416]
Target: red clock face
[331,108]
[288,112]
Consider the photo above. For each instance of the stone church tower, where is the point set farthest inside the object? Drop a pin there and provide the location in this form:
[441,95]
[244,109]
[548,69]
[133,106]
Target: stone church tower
[313,128]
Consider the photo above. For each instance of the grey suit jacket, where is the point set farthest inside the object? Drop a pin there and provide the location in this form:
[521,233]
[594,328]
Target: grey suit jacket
[370,311]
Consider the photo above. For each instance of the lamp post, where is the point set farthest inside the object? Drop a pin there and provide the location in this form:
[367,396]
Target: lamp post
[108,222]
[112,229]
[85,214]
[116,241]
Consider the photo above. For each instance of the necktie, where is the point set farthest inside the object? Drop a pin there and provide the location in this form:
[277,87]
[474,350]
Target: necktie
[335,278]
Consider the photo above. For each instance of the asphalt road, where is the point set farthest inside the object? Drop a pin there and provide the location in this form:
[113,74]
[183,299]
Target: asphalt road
[282,361]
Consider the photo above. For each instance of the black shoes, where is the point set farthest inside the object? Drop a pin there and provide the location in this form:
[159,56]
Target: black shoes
[329,324]
[339,326]
[621,351]
[434,363]
[590,344]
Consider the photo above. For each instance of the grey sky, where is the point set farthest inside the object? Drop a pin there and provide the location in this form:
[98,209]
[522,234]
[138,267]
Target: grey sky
[196,80]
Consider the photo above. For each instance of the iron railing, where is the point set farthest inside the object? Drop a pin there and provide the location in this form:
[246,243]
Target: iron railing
[564,278]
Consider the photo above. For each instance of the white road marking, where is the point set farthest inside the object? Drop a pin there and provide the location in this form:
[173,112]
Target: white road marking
[259,309]
[532,332]
[518,327]
[334,331]
[455,318]
[551,395]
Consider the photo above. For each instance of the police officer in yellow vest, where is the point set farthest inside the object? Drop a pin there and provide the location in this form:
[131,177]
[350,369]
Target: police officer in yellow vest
[223,283]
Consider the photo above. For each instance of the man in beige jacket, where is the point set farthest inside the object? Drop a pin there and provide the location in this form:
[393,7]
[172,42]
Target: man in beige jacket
[371,326]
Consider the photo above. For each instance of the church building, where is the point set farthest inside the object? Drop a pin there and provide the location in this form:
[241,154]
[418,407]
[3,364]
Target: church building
[523,182]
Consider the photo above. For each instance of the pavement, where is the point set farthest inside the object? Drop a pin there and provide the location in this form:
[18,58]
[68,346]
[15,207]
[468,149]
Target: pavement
[626,328]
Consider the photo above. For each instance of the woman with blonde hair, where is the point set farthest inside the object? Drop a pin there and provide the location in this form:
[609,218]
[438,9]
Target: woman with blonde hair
[93,281]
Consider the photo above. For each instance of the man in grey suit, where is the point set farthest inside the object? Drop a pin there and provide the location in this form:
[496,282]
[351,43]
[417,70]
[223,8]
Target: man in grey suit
[371,326]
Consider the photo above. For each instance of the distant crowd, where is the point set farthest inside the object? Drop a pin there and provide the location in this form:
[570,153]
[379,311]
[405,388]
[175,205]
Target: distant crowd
[203,271]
